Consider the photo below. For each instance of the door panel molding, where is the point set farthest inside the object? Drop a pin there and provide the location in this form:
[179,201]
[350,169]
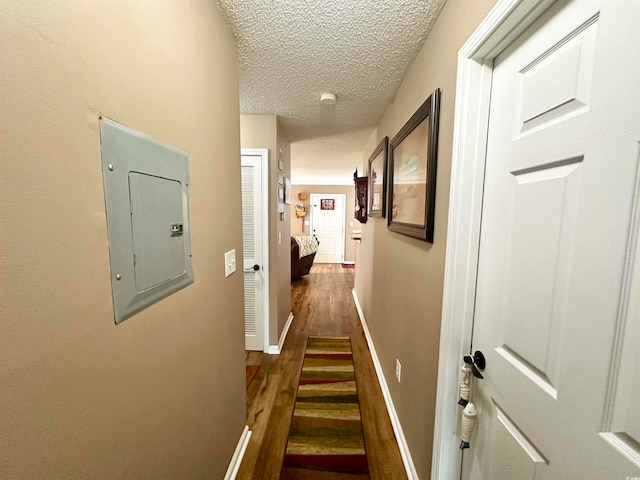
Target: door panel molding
[519,437]
[621,427]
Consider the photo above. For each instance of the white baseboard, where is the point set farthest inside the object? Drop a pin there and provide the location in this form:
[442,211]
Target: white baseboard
[393,415]
[236,460]
[285,331]
[276,349]
[348,262]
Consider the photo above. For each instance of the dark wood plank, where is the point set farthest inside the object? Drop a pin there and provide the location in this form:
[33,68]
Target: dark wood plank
[322,304]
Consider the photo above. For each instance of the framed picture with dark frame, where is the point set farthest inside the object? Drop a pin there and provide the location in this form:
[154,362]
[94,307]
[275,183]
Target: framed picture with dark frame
[413,158]
[378,179]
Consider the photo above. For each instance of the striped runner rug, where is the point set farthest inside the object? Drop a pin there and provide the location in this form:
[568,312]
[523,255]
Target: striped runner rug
[325,439]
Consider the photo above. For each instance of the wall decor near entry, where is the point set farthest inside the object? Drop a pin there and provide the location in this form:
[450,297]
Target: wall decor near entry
[327,204]
[378,179]
[287,191]
[280,188]
[362,197]
[413,156]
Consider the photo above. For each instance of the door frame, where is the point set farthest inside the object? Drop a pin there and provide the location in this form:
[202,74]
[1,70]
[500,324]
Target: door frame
[506,20]
[263,153]
[344,216]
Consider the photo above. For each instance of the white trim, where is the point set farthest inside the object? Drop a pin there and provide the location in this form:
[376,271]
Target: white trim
[619,443]
[504,23]
[506,20]
[264,154]
[348,262]
[410,468]
[285,331]
[236,460]
[276,349]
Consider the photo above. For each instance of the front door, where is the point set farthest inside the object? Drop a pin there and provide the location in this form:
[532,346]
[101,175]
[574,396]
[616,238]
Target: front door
[327,224]
[252,245]
[558,291]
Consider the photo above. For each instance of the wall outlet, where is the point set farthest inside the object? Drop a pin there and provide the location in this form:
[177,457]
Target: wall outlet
[398,370]
[229,262]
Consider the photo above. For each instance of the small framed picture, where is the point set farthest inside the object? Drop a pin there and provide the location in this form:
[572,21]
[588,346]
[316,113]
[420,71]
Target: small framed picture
[280,187]
[287,191]
[327,204]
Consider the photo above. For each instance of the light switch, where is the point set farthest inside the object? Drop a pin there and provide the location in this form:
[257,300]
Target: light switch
[229,262]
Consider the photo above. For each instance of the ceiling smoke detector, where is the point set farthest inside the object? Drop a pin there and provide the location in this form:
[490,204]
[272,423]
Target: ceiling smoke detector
[328,99]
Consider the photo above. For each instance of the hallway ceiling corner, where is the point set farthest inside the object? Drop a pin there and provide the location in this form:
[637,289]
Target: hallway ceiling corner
[293,51]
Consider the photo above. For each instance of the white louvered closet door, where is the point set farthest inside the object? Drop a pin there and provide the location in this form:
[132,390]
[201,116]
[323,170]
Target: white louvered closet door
[252,246]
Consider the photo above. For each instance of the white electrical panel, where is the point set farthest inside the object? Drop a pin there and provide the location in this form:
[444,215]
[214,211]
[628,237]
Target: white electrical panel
[146,186]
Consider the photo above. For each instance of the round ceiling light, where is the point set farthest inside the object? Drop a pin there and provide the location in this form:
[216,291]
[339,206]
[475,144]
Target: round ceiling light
[328,99]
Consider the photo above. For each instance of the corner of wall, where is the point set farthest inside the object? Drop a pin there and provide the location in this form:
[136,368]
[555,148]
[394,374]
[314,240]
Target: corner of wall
[283,159]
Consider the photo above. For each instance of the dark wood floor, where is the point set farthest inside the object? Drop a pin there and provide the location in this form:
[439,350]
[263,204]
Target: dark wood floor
[322,304]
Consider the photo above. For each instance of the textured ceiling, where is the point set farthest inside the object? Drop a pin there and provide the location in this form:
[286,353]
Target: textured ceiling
[292,51]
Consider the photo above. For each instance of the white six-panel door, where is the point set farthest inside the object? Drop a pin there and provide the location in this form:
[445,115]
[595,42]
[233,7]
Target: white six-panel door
[558,291]
[328,227]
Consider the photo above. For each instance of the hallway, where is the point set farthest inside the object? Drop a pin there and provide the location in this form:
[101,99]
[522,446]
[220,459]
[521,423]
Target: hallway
[322,304]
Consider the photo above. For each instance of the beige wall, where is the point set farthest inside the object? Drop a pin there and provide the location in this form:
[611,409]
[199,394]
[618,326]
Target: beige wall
[264,131]
[328,160]
[350,222]
[401,291]
[161,395]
